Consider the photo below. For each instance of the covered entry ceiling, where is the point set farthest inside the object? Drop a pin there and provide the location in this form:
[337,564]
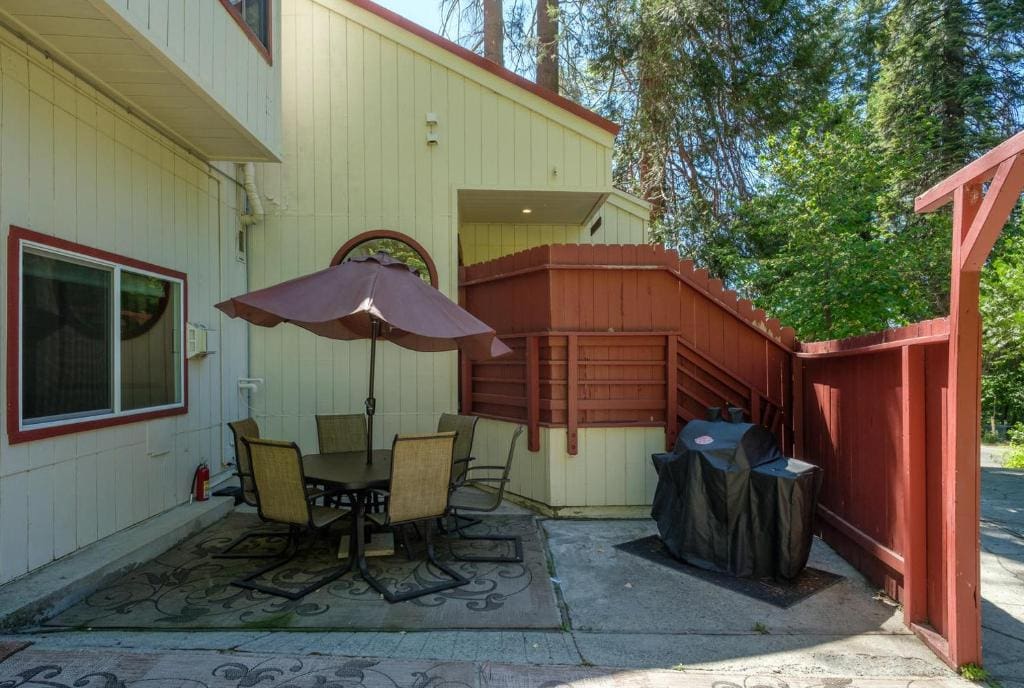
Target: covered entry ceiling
[544,207]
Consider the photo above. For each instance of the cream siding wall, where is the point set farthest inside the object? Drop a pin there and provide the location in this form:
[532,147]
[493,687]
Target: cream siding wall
[76,166]
[203,40]
[356,94]
[613,466]
[623,221]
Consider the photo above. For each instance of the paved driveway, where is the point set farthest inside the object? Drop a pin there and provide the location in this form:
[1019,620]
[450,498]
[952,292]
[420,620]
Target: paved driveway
[1002,569]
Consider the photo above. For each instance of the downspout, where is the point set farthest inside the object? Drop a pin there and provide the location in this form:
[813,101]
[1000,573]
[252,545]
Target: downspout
[252,194]
[254,216]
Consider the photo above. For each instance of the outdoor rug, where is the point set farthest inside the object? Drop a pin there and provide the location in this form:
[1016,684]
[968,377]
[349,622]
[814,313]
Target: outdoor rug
[782,594]
[187,588]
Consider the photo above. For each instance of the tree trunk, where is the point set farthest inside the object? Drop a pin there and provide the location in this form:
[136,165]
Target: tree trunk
[547,44]
[652,140]
[494,31]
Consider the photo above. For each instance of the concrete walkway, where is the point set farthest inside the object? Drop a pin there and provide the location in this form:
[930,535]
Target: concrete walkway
[1002,569]
[37,665]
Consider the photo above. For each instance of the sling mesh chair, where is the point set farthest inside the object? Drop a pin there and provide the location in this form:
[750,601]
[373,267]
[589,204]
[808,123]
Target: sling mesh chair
[420,477]
[338,433]
[283,497]
[464,428]
[341,433]
[466,497]
[243,469]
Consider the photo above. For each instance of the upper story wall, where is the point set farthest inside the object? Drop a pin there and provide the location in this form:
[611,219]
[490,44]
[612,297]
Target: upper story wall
[186,66]
[357,89]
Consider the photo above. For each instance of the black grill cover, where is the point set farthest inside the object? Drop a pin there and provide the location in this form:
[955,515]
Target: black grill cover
[729,501]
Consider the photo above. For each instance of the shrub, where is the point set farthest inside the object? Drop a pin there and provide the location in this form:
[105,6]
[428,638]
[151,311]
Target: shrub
[1015,455]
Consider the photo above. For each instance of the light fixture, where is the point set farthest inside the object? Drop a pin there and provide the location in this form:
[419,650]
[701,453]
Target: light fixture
[527,211]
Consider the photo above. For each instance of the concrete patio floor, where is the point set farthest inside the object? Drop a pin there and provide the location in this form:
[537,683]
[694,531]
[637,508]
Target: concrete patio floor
[38,666]
[635,616]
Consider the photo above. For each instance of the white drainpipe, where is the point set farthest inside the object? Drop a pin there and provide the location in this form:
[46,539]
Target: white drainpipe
[252,193]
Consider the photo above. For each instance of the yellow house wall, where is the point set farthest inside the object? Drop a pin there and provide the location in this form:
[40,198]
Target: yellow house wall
[613,466]
[76,166]
[623,221]
[356,92]
[202,39]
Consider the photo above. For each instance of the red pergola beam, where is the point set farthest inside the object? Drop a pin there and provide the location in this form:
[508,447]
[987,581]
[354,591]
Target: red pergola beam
[978,219]
[977,172]
[995,210]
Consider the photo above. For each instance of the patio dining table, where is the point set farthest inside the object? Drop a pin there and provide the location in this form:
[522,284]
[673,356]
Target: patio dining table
[350,473]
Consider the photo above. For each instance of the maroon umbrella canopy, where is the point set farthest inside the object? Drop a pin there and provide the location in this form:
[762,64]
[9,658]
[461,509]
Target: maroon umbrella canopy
[343,301]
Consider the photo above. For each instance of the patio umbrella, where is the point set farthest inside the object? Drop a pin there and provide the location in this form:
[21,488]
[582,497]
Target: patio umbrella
[371,297]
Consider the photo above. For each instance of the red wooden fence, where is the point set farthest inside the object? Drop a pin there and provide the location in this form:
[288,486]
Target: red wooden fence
[620,336]
[634,336]
[871,411]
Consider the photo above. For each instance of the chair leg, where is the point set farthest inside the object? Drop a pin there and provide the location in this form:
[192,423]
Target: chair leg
[463,522]
[227,553]
[249,582]
[457,580]
[460,530]
[405,542]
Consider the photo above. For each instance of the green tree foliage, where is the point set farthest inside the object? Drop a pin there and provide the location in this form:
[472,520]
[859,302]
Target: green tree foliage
[812,251]
[699,87]
[1002,310]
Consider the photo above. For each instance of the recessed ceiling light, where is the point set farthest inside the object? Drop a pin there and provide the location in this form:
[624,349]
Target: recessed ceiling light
[527,211]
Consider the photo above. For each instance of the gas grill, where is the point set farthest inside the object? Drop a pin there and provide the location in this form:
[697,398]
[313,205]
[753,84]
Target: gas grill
[729,501]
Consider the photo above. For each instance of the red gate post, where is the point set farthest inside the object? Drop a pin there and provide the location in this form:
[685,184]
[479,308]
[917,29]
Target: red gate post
[977,221]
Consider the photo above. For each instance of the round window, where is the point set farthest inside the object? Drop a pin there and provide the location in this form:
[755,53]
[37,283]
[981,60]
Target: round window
[396,245]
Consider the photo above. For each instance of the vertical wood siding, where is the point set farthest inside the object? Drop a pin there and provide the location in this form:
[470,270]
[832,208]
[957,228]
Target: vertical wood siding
[614,348]
[356,93]
[206,42]
[857,410]
[75,166]
[622,222]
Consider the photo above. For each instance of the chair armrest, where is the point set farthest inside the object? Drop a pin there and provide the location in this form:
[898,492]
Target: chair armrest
[465,460]
[317,494]
[485,480]
[485,468]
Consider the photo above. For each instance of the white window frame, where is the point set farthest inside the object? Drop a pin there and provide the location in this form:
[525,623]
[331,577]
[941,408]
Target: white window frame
[116,268]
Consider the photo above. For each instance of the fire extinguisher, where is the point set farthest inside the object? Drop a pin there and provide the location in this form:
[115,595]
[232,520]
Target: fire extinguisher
[201,483]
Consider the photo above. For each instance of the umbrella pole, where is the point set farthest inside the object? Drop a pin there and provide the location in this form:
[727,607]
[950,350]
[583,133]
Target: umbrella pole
[371,402]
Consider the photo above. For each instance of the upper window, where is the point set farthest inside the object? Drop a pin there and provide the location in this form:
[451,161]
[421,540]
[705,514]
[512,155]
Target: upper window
[97,338]
[254,17]
[396,245]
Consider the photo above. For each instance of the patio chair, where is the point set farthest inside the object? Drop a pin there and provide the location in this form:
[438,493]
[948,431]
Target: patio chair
[420,477]
[341,433]
[464,428]
[283,497]
[243,469]
[467,497]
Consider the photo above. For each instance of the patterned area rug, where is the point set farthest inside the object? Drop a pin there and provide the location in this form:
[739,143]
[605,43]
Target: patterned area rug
[186,587]
[114,669]
[781,594]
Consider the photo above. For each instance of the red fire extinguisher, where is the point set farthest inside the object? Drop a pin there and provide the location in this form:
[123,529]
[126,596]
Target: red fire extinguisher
[201,483]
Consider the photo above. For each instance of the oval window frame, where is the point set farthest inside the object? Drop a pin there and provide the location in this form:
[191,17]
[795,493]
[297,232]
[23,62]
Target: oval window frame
[391,234]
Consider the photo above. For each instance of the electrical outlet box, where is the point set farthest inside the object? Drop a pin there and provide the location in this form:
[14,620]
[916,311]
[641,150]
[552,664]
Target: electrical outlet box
[196,341]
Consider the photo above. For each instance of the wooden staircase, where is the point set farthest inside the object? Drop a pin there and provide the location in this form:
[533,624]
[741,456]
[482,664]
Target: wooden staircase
[702,383]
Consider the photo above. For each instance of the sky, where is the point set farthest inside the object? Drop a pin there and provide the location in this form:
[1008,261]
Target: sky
[423,12]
